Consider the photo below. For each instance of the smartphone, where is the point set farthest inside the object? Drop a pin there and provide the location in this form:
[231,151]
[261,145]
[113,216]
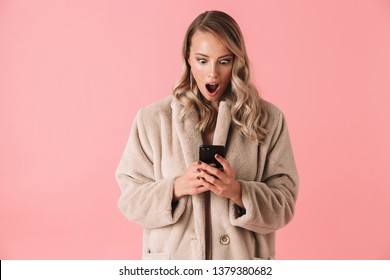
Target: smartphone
[207,154]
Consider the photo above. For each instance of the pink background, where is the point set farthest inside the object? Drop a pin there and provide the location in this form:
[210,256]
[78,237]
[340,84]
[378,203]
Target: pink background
[73,74]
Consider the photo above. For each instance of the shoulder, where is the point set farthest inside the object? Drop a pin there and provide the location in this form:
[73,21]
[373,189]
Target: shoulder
[159,107]
[276,122]
[151,118]
[272,110]
[156,112]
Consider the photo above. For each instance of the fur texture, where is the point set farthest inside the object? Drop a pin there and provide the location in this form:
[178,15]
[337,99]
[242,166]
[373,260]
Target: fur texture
[160,148]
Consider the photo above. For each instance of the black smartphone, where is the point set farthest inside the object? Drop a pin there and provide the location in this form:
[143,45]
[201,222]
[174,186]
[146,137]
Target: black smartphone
[207,154]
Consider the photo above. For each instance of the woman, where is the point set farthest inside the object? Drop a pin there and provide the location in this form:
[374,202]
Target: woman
[192,210]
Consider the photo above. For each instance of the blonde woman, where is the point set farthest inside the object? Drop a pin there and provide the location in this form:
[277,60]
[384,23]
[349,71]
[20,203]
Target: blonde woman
[193,210]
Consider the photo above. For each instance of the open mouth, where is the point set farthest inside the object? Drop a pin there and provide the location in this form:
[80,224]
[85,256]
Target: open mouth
[212,87]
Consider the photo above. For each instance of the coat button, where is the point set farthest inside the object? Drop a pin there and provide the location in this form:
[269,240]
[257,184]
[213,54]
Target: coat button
[224,239]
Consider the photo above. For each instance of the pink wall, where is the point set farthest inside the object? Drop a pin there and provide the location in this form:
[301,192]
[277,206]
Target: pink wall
[74,73]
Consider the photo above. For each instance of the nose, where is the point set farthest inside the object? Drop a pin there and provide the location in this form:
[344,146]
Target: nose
[213,72]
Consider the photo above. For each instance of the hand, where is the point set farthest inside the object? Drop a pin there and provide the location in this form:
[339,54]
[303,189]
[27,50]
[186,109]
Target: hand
[189,183]
[222,183]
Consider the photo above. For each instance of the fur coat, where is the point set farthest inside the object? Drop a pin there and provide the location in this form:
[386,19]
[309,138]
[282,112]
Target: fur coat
[160,148]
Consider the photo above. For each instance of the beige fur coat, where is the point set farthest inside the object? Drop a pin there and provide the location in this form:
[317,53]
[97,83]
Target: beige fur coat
[160,148]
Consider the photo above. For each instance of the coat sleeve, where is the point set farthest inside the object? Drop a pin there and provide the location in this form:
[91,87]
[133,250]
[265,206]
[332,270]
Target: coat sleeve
[145,200]
[270,203]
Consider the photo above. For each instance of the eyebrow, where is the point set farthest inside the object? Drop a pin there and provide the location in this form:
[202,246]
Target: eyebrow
[223,56]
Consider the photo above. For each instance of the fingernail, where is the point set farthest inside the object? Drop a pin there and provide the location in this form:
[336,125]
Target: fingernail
[216,155]
[198,170]
[199,162]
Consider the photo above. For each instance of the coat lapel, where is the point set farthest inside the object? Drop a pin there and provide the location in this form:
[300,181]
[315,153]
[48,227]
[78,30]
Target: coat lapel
[190,139]
[223,124]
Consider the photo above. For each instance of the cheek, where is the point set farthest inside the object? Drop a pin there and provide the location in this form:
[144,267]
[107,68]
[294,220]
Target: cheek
[227,75]
[198,73]
[199,69]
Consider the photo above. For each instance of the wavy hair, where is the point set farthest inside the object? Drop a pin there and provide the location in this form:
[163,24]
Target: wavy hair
[247,112]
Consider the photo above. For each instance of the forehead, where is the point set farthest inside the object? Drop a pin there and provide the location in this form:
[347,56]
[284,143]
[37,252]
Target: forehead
[208,44]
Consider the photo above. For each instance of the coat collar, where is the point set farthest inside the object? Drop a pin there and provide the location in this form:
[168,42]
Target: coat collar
[191,138]
[223,124]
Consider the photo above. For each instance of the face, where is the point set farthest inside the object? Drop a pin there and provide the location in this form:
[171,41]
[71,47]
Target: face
[211,66]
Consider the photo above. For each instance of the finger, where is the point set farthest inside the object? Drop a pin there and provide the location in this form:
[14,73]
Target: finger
[196,181]
[201,189]
[195,185]
[210,178]
[210,170]
[225,164]
[213,188]
[196,166]
[201,165]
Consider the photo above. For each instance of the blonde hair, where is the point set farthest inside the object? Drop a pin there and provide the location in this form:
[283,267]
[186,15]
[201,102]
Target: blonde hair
[247,112]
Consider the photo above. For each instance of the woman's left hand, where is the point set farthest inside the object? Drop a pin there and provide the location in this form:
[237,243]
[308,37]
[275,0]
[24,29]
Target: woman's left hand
[222,183]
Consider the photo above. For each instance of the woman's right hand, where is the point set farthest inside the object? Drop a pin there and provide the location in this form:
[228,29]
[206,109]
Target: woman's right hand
[189,183]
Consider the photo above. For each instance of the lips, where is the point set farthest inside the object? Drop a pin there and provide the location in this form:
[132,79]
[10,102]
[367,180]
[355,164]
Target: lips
[212,87]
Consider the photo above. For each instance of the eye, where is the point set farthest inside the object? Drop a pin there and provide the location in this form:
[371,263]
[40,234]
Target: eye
[225,61]
[201,60]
